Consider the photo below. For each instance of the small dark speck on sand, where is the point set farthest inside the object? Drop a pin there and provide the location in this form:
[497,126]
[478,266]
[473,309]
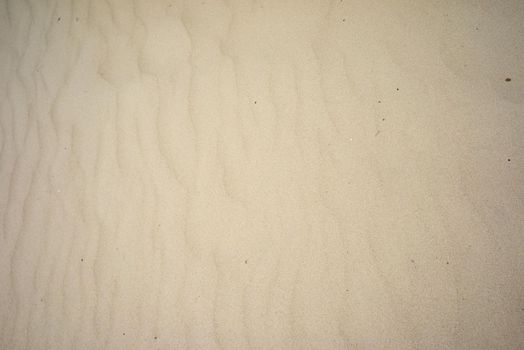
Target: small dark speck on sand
[82,259]
[58,19]
[447,262]
[156,338]
[508,79]
[245,261]
[123,334]
[383,119]
[379,101]
[413,261]
[509,159]
[343,20]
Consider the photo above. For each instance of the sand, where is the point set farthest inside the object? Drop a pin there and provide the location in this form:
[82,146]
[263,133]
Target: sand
[261,174]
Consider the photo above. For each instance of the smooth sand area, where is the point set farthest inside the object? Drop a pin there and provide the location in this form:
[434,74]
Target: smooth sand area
[266,174]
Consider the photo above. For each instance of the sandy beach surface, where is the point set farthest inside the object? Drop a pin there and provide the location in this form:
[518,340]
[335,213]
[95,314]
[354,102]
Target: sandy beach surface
[264,174]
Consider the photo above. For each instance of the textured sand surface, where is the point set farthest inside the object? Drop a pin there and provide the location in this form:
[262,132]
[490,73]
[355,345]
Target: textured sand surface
[266,174]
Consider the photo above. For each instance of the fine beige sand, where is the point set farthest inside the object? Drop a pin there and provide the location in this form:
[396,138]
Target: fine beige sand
[261,174]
